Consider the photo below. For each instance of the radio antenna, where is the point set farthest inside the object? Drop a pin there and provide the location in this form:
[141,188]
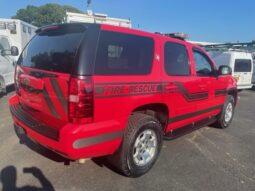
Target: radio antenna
[88,3]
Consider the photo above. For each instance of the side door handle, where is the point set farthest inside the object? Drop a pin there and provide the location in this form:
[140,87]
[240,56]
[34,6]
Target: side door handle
[202,87]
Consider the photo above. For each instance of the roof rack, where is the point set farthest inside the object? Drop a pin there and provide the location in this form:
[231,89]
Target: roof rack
[178,35]
[242,47]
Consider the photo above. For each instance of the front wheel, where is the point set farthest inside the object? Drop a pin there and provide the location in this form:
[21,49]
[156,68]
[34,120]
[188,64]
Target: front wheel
[226,116]
[140,147]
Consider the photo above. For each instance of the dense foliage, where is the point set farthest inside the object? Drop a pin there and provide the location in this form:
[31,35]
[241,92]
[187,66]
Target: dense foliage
[45,14]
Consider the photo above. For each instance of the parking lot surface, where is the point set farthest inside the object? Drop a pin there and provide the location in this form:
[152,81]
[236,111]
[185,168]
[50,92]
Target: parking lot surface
[206,159]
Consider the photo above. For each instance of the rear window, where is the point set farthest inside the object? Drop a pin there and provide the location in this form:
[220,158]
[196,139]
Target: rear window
[53,49]
[123,54]
[243,65]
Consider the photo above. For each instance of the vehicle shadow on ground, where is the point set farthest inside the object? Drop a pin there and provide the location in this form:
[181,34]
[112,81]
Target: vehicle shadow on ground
[104,162]
[9,89]
[9,178]
[253,88]
[40,149]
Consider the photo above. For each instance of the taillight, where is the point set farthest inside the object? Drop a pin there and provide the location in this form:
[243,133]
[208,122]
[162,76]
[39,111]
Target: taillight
[81,99]
[237,78]
[18,71]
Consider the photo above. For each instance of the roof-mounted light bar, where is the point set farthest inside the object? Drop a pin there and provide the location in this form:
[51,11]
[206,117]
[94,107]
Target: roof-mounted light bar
[178,35]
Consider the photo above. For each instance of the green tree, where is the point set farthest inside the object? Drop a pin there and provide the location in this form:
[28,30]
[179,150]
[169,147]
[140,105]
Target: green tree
[45,14]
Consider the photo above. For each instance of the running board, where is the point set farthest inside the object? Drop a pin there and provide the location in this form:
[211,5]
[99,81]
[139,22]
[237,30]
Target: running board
[189,128]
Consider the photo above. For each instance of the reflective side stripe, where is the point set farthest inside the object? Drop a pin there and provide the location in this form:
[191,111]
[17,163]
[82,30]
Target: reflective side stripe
[49,103]
[85,142]
[59,93]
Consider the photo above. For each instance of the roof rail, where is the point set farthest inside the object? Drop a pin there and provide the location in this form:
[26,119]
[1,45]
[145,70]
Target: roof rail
[242,47]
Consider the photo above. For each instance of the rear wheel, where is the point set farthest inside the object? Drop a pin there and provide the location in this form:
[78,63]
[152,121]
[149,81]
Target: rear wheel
[226,116]
[140,147]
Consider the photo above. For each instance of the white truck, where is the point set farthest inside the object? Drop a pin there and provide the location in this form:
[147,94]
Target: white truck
[14,35]
[241,63]
[91,17]
[253,76]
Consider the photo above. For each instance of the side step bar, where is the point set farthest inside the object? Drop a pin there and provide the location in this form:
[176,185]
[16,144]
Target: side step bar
[189,128]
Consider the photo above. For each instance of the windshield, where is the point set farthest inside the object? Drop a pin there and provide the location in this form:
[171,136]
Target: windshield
[242,65]
[53,49]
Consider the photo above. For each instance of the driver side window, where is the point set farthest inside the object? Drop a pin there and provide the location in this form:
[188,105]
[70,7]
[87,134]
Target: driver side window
[203,66]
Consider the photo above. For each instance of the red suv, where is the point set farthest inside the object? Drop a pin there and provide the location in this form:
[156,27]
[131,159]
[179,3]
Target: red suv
[89,90]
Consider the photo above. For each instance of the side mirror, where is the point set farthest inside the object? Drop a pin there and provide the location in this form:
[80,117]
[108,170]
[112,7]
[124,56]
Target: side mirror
[14,51]
[225,70]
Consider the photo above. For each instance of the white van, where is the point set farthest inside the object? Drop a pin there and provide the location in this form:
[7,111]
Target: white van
[241,64]
[7,62]
[14,35]
[253,76]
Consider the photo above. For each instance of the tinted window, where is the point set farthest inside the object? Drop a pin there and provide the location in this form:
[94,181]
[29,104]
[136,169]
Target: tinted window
[54,49]
[176,59]
[242,65]
[203,66]
[123,54]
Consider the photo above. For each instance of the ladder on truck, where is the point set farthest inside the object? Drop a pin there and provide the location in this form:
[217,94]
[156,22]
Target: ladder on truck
[239,46]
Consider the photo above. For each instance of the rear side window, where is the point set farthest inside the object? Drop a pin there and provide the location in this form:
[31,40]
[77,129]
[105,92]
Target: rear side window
[54,49]
[242,65]
[124,54]
[176,59]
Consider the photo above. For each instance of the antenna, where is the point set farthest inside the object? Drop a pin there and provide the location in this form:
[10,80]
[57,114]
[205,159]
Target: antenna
[88,3]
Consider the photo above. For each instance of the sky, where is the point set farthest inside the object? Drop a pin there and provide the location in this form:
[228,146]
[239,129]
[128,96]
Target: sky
[203,20]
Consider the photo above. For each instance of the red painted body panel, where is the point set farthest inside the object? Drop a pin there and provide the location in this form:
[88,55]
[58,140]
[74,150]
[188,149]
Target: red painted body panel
[121,95]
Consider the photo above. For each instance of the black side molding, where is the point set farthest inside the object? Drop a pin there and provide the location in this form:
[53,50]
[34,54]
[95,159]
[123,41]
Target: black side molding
[189,128]
[193,114]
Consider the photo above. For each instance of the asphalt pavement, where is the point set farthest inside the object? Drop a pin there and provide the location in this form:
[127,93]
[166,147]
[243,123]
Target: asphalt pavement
[206,159]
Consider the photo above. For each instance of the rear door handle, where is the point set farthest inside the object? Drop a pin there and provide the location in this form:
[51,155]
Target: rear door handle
[170,86]
[202,86]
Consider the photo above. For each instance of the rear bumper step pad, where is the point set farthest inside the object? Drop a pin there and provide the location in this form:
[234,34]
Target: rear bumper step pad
[33,124]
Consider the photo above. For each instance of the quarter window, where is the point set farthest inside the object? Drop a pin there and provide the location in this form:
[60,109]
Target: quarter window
[203,66]
[124,54]
[176,59]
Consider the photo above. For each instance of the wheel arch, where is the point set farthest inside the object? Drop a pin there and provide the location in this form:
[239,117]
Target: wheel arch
[233,92]
[158,110]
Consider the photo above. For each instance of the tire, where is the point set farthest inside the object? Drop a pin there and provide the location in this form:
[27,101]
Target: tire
[139,127]
[224,120]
